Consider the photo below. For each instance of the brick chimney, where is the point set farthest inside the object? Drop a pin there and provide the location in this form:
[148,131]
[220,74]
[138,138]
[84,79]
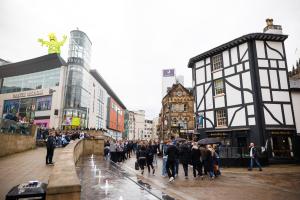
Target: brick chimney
[271,28]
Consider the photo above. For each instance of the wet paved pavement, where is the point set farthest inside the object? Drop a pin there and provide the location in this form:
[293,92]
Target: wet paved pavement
[23,167]
[102,179]
[274,182]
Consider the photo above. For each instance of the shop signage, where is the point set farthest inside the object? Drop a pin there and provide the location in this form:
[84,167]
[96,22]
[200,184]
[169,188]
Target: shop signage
[28,94]
[74,60]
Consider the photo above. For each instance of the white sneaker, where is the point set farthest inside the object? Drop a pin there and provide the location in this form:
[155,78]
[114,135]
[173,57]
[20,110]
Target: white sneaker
[171,179]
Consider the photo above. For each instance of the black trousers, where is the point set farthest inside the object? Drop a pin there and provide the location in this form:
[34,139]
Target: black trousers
[185,168]
[170,166]
[49,156]
[149,164]
[142,163]
[197,166]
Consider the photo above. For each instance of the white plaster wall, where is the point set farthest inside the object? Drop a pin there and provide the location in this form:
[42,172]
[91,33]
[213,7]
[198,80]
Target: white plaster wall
[276,111]
[229,71]
[296,107]
[273,64]
[263,76]
[246,65]
[274,79]
[260,49]
[234,56]
[281,96]
[263,63]
[266,94]
[239,68]
[217,74]
[243,48]
[200,75]
[200,93]
[219,101]
[208,97]
[235,80]
[250,109]
[246,80]
[251,121]
[240,118]
[226,58]
[273,54]
[199,64]
[208,73]
[230,112]
[233,96]
[283,79]
[248,97]
[281,64]
[207,60]
[288,114]
[210,115]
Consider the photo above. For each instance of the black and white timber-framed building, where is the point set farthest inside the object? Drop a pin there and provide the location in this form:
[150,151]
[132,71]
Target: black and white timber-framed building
[242,94]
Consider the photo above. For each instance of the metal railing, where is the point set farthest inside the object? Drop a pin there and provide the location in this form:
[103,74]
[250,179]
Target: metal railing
[14,127]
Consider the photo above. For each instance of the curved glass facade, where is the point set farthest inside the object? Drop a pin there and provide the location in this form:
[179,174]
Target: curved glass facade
[78,85]
[80,48]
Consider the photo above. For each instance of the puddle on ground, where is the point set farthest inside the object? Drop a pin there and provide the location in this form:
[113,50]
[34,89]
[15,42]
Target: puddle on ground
[101,179]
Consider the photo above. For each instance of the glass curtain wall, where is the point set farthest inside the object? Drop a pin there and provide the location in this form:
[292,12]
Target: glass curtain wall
[78,93]
[33,81]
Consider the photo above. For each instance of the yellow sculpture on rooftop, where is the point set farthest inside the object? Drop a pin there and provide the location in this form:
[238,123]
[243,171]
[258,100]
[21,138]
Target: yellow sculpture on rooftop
[53,45]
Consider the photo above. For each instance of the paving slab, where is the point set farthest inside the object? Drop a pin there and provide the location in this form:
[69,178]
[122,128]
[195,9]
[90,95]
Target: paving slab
[275,182]
[22,167]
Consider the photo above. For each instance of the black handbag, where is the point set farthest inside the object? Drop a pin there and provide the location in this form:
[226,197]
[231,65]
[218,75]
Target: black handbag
[136,165]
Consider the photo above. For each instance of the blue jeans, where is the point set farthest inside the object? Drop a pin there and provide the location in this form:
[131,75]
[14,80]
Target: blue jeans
[164,168]
[256,161]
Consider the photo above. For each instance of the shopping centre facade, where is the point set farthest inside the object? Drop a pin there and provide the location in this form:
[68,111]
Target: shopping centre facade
[52,93]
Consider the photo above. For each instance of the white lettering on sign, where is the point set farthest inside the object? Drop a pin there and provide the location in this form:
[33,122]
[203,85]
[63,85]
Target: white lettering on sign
[28,94]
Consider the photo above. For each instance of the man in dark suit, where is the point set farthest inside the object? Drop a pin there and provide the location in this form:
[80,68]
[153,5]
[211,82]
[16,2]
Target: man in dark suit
[253,157]
[50,148]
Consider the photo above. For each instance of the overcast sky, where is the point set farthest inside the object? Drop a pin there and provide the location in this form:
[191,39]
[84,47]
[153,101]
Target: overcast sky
[132,41]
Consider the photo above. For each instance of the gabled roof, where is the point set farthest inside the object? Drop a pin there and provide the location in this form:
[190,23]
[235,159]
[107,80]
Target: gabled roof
[38,64]
[174,86]
[235,42]
[103,83]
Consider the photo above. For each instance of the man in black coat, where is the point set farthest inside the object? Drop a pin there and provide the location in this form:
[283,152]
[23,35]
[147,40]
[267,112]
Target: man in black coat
[172,153]
[184,157]
[50,148]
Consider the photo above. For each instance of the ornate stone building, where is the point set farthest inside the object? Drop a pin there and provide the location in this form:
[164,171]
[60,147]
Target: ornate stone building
[177,113]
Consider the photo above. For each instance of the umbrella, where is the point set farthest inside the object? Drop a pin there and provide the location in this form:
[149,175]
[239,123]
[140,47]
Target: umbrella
[180,139]
[209,141]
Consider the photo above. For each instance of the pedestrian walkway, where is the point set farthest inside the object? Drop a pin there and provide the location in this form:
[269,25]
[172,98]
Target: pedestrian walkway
[22,167]
[275,182]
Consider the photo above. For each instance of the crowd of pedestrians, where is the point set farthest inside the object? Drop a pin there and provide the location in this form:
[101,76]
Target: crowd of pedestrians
[204,159]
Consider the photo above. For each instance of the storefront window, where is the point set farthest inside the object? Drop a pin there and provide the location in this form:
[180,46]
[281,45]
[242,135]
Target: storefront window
[43,103]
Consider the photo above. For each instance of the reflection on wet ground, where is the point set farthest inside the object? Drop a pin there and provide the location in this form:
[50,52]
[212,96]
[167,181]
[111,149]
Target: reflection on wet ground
[102,179]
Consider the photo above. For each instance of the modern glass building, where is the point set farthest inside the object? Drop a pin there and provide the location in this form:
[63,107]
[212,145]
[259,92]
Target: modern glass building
[78,93]
[31,90]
